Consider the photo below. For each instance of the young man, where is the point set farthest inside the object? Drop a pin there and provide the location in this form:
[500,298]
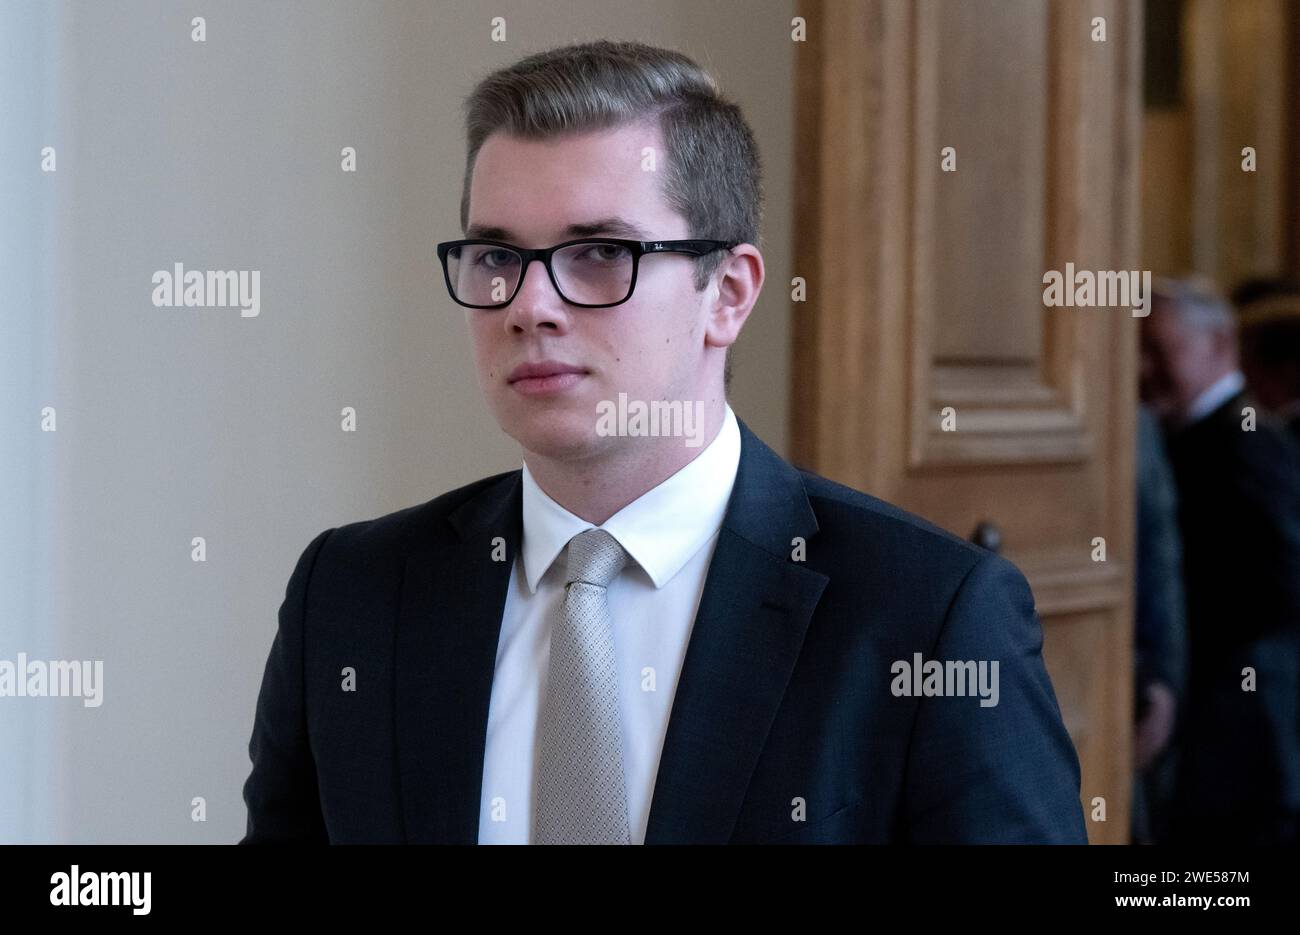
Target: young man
[643,638]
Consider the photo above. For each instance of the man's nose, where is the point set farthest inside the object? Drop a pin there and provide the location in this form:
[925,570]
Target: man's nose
[537,302]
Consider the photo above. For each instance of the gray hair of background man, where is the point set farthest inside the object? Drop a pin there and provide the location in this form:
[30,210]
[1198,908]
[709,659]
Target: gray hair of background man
[711,173]
[1197,303]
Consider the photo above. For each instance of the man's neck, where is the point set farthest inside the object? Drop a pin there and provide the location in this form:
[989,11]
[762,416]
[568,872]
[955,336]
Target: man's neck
[596,489]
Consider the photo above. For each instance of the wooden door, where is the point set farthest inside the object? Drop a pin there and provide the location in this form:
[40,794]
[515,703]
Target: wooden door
[924,298]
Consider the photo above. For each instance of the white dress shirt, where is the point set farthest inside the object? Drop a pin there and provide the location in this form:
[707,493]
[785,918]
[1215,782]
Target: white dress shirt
[670,532]
[1214,396]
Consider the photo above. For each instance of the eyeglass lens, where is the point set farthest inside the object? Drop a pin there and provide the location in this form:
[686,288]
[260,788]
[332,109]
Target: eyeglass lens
[588,273]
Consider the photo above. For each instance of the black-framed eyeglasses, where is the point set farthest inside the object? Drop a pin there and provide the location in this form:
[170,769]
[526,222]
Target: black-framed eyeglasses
[595,272]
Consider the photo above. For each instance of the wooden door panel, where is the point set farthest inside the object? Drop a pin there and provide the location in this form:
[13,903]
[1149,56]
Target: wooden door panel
[937,304]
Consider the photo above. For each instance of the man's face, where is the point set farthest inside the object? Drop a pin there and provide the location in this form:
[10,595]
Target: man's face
[652,347]
[1178,360]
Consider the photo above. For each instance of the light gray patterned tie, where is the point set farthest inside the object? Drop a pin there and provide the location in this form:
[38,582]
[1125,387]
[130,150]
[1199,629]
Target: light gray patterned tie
[581,796]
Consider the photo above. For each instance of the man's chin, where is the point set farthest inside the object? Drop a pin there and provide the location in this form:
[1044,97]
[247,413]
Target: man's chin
[554,433]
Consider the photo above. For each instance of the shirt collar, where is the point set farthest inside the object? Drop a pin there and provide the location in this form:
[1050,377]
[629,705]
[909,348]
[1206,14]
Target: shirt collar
[660,530]
[1214,396]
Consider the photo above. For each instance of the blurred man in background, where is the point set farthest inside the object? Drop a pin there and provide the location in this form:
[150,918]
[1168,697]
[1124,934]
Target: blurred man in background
[1159,633]
[1238,482]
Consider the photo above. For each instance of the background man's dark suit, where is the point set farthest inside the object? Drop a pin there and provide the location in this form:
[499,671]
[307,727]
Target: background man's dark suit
[1239,511]
[1159,621]
[784,692]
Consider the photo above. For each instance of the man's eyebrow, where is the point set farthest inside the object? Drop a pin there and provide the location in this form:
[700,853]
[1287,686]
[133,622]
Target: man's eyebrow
[611,226]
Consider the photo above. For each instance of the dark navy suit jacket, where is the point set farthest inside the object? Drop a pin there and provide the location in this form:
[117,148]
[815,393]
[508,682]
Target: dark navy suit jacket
[1238,751]
[783,711]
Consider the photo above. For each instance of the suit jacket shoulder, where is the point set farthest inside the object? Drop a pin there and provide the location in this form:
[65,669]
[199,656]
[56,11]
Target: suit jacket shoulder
[844,510]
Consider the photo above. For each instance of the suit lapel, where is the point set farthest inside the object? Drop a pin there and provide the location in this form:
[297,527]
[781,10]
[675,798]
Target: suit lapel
[452,601]
[751,622]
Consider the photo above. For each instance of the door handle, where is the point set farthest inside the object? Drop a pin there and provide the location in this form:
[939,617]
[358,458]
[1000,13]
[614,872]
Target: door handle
[987,535]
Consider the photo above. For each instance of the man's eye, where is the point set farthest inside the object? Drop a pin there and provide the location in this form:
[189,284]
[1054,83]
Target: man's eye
[606,252]
[501,258]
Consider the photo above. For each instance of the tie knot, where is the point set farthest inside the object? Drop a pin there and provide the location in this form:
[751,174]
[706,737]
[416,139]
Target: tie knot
[595,557]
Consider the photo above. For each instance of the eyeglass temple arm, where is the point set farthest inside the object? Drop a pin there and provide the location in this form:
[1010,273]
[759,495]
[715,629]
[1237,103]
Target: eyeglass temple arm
[697,247]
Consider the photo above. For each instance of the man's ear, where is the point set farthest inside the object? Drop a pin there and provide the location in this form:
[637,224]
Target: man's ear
[739,280]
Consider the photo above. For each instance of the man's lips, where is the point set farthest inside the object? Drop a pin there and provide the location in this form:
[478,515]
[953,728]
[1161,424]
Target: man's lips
[544,368]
